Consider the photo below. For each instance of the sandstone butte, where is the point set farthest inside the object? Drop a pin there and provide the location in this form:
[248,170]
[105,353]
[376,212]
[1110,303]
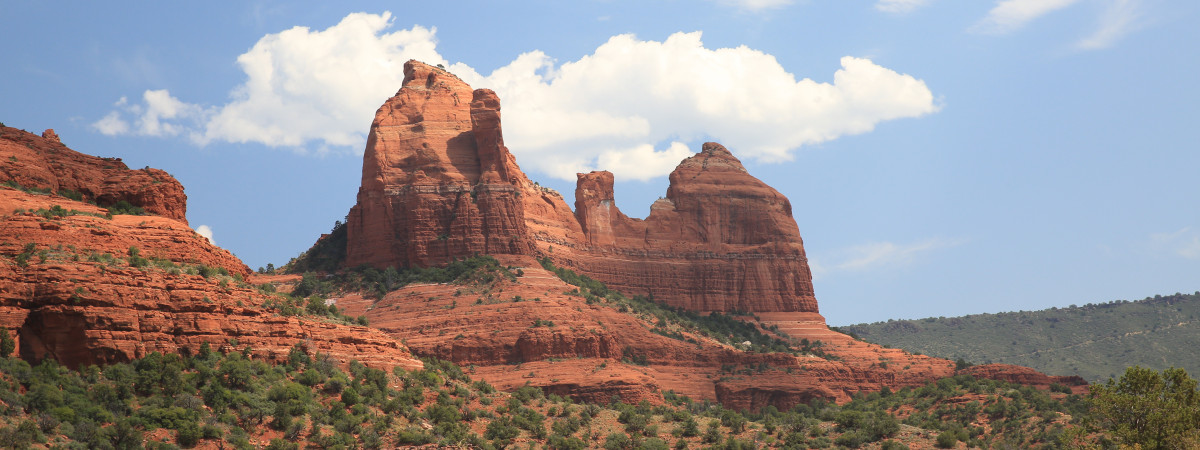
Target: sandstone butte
[439,184]
[68,292]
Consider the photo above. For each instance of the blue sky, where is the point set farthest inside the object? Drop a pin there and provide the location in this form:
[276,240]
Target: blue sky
[942,158]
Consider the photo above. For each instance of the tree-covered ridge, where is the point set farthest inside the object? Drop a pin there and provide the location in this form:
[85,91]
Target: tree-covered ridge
[1095,341]
[169,401]
[230,400]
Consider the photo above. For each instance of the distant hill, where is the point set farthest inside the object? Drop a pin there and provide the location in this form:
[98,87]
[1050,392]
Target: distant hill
[1095,341]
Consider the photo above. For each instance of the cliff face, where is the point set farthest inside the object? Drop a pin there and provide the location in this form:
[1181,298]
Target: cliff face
[82,288]
[35,162]
[438,183]
[721,240]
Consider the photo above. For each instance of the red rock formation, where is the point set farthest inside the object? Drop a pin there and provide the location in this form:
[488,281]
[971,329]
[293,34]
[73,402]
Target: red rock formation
[70,288]
[437,183]
[532,331]
[721,240]
[45,163]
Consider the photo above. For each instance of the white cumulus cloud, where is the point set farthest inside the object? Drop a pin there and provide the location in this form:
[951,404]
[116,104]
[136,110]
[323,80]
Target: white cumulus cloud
[161,105]
[632,106]
[629,94]
[206,232]
[159,115]
[643,162]
[1009,15]
[304,85]
[900,6]
[112,124]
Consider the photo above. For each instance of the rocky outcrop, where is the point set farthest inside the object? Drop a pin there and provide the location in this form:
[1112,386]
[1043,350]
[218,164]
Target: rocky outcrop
[721,240]
[44,163]
[83,232]
[438,184]
[82,287]
[1025,375]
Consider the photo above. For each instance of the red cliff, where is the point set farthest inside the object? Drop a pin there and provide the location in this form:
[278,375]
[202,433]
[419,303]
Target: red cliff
[437,181]
[438,184]
[82,287]
[44,163]
[721,240]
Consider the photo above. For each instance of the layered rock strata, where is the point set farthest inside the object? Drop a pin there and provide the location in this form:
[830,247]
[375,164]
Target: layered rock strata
[84,288]
[721,240]
[438,184]
[44,163]
[535,331]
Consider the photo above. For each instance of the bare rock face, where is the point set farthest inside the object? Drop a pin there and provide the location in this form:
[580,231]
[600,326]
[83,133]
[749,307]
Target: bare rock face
[438,183]
[35,162]
[72,286]
[721,240]
[69,291]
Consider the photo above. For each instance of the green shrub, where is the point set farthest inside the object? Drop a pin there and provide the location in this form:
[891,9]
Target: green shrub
[501,432]
[21,436]
[136,259]
[7,343]
[123,207]
[280,444]
[188,434]
[617,441]
[566,443]
[208,272]
[947,439]
[71,194]
[1148,408]
[26,252]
